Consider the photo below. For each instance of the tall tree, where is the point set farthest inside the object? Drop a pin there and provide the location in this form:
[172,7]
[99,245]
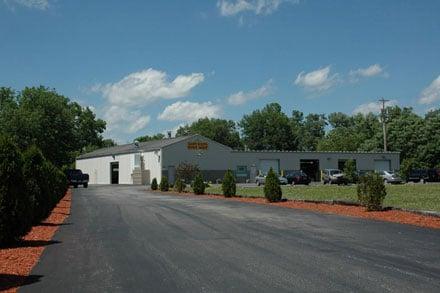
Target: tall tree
[145,138]
[219,130]
[267,129]
[313,131]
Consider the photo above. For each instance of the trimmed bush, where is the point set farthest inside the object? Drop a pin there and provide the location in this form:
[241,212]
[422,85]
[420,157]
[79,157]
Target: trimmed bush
[229,186]
[371,191]
[198,184]
[154,184]
[350,171]
[164,186]
[15,203]
[272,188]
[179,185]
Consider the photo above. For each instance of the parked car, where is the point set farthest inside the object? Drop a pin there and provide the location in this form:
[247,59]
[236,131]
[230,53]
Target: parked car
[424,175]
[390,177]
[76,177]
[297,177]
[333,176]
[261,179]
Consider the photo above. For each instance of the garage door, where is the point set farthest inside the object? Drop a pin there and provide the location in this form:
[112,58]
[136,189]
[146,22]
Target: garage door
[382,165]
[265,166]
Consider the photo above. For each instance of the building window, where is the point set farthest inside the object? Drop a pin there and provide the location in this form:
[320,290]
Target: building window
[137,160]
[241,171]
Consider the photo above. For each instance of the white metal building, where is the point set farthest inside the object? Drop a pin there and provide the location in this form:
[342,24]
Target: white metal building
[139,163]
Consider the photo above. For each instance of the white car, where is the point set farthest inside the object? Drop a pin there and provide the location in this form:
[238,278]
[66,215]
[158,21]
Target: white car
[390,177]
[261,179]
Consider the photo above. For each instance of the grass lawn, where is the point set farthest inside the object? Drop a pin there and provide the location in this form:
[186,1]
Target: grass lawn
[411,196]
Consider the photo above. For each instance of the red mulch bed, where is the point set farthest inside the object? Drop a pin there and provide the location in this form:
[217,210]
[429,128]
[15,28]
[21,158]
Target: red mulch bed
[17,262]
[395,216]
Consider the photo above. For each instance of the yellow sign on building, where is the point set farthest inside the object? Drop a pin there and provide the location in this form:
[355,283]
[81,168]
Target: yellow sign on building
[197,145]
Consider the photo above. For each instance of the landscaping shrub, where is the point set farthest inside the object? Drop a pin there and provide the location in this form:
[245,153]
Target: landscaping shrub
[272,188]
[187,171]
[229,186]
[179,185]
[36,178]
[350,171]
[198,184]
[164,186]
[371,191]
[154,184]
[15,203]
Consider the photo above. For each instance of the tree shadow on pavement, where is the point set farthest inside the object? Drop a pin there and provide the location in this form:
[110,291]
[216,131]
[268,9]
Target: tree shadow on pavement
[9,281]
[31,243]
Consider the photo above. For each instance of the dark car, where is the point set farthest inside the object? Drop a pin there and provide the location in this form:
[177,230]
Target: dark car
[424,175]
[297,177]
[76,177]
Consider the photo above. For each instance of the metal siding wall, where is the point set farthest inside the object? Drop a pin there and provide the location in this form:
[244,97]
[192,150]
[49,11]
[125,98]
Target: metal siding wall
[151,161]
[99,168]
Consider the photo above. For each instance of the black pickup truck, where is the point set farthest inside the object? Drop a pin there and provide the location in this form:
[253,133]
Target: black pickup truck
[77,177]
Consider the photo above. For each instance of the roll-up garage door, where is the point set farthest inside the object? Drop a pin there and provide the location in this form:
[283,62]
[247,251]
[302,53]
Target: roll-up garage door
[382,165]
[265,166]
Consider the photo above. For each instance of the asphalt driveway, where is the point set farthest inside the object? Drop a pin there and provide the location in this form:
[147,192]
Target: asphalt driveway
[125,239]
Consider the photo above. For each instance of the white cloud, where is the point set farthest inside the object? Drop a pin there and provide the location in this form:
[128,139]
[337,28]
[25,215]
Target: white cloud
[122,120]
[318,80]
[241,97]
[370,71]
[431,94]
[189,111]
[258,7]
[373,107]
[147,86]
[126,99]
[37,4]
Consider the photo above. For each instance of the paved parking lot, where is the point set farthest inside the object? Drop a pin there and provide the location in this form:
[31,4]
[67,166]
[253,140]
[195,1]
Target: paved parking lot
[126,239]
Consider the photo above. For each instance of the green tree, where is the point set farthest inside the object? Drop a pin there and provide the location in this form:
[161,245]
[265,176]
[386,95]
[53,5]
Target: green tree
[198,185]
[350,171]
[340,139]
[219,130]
[145,138]
[229,186]
[267,129]
[313,130]
[272,188]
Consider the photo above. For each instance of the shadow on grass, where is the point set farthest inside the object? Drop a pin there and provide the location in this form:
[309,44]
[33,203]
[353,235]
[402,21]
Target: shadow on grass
[9,281]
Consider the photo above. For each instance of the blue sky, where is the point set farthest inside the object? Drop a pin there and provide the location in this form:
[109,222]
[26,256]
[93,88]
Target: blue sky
[149,66]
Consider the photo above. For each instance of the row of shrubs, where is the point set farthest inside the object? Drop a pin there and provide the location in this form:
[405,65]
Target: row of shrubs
[371,189]
[30,187]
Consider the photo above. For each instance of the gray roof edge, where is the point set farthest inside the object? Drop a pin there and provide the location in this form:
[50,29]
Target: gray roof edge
[314,152]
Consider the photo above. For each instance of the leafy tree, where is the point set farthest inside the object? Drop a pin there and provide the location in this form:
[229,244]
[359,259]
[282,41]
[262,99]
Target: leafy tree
[340,139]
[313,131]
[272,188]
[15,203]
[145,138]
[339,119]
[179,185]
[229,186]
[219,130]
[267,129]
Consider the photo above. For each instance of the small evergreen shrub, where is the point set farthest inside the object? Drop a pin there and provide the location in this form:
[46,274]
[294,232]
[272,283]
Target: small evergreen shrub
[198,184]
[154,184]
[229,186]
[15,203]
[164,186]
[179,185]
[350,171]
[272,188]
[371,191]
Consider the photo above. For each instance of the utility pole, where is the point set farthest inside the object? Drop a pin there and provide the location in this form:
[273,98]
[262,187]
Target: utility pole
[384,125]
